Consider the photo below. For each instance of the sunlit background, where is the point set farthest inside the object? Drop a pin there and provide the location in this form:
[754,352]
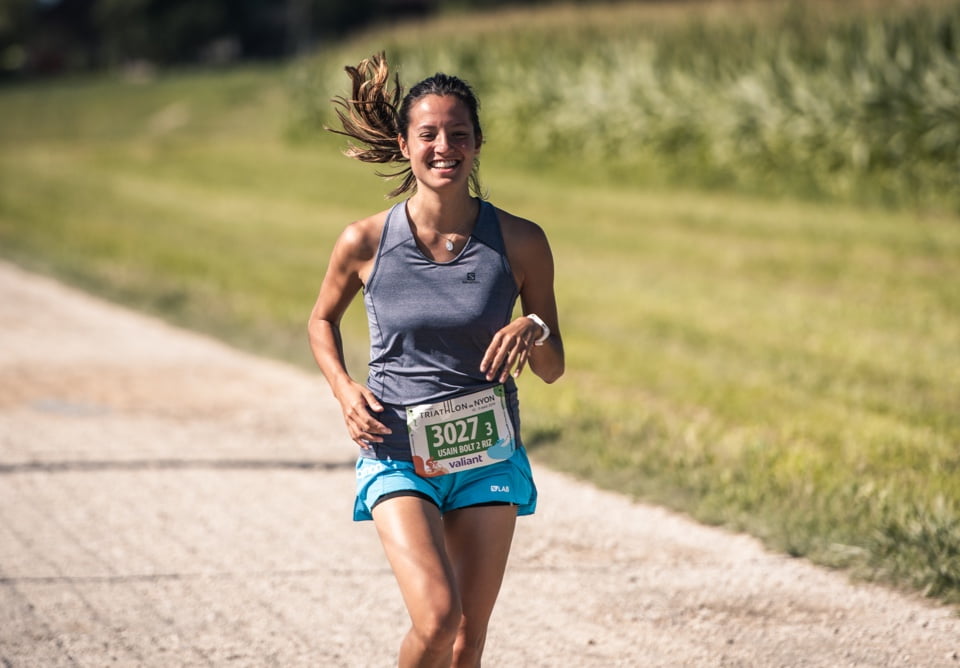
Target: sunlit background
[754,206]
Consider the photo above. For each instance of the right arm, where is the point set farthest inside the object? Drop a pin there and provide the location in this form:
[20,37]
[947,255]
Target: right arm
[350,264]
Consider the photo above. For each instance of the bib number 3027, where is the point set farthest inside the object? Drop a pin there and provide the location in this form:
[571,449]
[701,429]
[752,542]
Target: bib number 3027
[466,432]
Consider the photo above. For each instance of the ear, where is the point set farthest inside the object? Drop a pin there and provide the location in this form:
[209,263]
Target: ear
[479,141]
[403,146]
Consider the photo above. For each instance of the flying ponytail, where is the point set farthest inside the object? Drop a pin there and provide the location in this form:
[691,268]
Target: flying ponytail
[376,114]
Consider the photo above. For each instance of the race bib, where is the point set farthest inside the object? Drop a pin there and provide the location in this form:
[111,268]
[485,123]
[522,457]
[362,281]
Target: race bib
[462,433]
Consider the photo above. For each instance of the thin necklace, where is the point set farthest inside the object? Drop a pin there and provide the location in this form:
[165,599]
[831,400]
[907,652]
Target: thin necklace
[449,244]
[448,239]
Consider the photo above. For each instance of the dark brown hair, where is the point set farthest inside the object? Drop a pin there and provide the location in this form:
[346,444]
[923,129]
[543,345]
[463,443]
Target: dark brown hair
[375,114]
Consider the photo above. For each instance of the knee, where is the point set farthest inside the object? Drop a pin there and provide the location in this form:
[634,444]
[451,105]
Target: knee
[438,629]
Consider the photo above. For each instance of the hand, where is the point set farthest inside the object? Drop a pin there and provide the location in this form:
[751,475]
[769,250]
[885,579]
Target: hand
[356,402]
[509,350]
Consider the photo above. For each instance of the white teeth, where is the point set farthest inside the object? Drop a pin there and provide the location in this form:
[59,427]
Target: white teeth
[443,164]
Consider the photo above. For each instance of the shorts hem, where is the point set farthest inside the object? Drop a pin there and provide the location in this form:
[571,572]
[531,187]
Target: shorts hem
[509,481]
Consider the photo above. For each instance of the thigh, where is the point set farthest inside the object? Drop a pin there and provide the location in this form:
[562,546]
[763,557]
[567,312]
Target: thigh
[478,540]
[411,531]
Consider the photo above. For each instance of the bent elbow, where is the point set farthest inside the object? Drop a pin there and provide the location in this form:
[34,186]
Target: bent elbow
[553,375]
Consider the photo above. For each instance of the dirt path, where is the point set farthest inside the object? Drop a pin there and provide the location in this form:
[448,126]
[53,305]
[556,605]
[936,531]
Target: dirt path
[167,501]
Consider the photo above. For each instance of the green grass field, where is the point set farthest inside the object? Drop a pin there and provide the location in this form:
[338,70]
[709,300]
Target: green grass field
[788,367]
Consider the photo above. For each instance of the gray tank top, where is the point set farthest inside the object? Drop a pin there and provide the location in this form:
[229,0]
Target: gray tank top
[431,322]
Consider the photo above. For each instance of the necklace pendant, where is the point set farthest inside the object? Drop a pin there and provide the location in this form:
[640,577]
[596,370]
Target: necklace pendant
[449,245]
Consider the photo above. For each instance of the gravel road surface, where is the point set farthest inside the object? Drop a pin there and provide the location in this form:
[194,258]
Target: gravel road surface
[168,501]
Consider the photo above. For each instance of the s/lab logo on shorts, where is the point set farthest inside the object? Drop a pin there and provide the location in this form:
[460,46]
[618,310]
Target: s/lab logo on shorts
[497,488]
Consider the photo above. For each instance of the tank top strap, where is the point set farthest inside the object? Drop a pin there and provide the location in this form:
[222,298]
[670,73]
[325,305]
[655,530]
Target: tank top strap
[487,229]
[396,228]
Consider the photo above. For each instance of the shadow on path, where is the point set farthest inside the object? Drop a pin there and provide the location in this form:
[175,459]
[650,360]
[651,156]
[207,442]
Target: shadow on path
[95,466]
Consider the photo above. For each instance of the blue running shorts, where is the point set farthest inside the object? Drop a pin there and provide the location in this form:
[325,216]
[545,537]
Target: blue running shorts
[509,481]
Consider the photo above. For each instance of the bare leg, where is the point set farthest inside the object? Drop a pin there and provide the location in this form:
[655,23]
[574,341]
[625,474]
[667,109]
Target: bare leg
[478,542]
[411,532]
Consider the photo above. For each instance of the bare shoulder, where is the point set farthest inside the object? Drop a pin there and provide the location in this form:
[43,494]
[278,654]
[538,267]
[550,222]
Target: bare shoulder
[356,248]
[519,233]
[360,239]
[527,248]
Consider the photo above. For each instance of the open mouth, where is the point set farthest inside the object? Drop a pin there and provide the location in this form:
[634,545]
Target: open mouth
[444,164]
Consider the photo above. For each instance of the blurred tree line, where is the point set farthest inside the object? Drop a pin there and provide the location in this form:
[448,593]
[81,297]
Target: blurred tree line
[52,36]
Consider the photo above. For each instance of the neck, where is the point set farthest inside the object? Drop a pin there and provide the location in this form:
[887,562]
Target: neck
[444,215]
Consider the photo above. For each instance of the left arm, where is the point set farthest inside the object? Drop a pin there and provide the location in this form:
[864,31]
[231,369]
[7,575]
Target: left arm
[513,346]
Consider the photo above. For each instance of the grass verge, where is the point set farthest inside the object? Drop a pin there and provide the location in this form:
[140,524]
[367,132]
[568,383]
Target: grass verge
[783,367]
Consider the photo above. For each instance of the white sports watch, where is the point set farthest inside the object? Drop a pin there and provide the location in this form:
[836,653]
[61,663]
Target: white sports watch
[546,330]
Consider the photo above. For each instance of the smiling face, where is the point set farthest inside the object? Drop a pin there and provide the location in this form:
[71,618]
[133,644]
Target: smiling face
[441,142]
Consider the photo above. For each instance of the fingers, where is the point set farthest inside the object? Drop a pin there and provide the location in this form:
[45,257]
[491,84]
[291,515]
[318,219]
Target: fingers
[507,353]
[371,399]
[362,426]
[521,363]
[516,358]
[497,361]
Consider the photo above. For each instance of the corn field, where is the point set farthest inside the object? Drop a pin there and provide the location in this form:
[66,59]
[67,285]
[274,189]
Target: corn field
[810,100]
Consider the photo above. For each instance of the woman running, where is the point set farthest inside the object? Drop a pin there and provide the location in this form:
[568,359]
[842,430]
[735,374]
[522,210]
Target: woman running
[442,471]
